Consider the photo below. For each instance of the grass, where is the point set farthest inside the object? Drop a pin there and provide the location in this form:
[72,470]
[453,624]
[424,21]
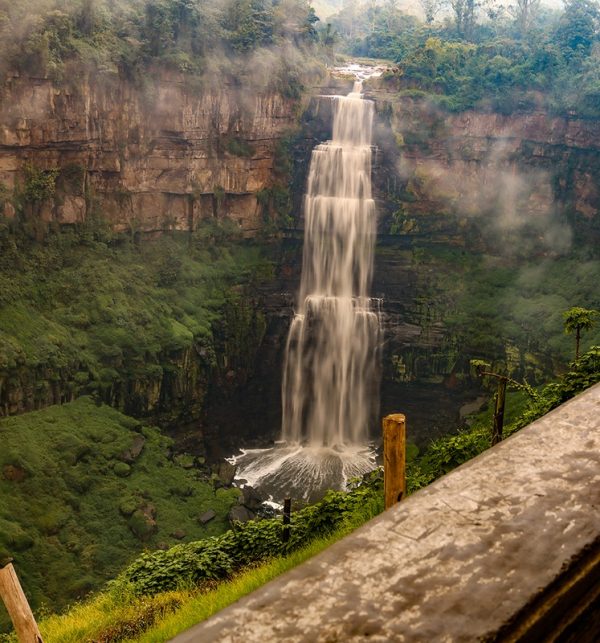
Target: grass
[111,616]
[121,613]
[201,607]
[118,614]
[73,513]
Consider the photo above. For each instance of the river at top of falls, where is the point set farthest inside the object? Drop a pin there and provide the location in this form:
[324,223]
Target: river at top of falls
[330,391]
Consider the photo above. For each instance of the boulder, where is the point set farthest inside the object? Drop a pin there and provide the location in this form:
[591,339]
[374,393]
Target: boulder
[134,451]
[239,513]
[143,522]
[250,498]
[207,516]
[226,472]
[122,469]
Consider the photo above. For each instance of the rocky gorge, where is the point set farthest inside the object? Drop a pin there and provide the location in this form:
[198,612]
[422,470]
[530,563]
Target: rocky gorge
[453,191]
[150,256]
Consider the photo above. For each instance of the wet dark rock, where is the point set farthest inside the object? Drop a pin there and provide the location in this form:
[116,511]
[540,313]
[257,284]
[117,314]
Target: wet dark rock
[178,534]
[226,472]
[250,498]
[207,516]
[239,513]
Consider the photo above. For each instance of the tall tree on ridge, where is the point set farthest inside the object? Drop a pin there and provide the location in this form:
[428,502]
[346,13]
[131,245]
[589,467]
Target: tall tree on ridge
[578,319]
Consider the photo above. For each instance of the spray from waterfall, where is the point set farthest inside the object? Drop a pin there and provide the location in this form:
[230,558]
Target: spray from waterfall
[330,391]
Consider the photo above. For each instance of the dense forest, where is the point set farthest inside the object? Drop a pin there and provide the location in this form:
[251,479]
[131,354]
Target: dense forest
[486,55]
[131,37]
[153,160]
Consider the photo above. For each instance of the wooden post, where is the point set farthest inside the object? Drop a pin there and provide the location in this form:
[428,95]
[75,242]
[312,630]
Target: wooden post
[17,606]
[394,458]
[499,411]
[287,518]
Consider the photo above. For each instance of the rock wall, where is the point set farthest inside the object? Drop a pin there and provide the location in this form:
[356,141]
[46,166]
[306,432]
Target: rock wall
[149,160]
[484,178]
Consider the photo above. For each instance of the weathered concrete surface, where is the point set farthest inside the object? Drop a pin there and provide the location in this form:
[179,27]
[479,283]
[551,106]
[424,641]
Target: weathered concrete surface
[456,561]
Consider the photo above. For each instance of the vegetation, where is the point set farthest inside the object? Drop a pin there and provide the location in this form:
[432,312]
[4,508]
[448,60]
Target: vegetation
[524,405]
[504,58]
[143,325]
[77,502]
[164,592]
[135,38]
[79,316]
[506,311]
[159,582]
[578,319]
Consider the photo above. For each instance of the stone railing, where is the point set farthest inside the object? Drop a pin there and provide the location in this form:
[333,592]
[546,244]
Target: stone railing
[504,548]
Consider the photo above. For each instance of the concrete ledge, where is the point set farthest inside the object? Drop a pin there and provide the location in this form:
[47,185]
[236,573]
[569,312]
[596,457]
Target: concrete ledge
[504,548]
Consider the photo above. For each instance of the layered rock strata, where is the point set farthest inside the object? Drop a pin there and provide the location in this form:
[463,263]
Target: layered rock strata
[151,160]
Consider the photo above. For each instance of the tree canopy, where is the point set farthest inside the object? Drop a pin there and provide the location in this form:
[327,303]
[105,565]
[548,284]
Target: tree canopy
[468,54]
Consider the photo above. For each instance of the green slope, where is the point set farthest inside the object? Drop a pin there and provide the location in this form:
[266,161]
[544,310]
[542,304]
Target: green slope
[73,513]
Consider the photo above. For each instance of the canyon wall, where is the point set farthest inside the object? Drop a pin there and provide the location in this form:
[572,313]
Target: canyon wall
[149,159]
[483,217]
[461,200]
[498,176]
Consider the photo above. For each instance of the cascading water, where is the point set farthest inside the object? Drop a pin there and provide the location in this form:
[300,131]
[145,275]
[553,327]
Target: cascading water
[331,356]
[330,383]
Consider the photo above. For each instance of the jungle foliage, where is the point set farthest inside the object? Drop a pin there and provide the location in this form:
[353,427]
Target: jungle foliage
[81,316]
[493,56]
[75,507]
[139,38]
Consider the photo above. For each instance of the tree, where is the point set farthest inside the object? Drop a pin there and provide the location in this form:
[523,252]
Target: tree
[329,37]
[482,369]
[525,12]
[576,320]
[430,8]
[249,24]
[87,17]
[464,16]
[578,27]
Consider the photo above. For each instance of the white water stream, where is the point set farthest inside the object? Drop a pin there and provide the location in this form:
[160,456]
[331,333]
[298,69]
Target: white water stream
[330,386]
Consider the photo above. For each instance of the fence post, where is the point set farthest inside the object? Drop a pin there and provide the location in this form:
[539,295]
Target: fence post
[17,606]
[499,412]
[394,458]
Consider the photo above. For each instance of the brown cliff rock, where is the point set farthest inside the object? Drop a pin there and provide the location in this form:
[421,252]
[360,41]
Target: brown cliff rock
[153,162]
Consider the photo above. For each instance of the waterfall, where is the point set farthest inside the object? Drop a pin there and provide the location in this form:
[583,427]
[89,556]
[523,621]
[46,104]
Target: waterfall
[330,390]
[330,372]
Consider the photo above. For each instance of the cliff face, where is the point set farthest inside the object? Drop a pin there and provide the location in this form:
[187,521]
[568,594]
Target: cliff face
[487,174]
[471,206]
[149,161]
[464,202]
